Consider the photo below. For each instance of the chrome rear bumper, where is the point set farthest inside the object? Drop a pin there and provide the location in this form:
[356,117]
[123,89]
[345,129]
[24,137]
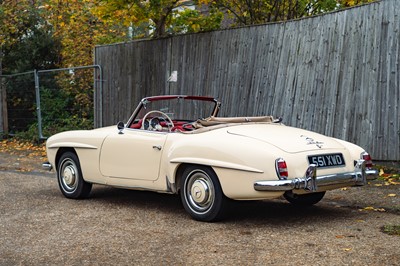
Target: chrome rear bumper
[311,182]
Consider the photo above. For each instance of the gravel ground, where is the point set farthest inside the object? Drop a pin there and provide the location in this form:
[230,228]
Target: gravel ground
[38,226]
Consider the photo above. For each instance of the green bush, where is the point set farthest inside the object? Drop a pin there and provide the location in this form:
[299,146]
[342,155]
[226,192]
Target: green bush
[59,113]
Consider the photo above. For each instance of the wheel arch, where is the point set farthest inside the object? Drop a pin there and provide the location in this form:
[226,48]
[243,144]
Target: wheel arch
[181,168]
[231,176]
[61,151]
[87,158]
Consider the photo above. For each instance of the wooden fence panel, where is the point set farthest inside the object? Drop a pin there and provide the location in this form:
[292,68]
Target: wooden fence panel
[337,74]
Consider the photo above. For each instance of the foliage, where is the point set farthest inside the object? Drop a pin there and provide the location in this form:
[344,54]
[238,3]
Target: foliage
[15,20]
[391,229]
[79,25]
[45,34]
[61,111]
[16,146]
[20,102]
[78,29]
[350,3]
[75,88]
[191,21]
[390,176]
[244,12]
[156,18]
[39,50]
[53,34]
[31,46]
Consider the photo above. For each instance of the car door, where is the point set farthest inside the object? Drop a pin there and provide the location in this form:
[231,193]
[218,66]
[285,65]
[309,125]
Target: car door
[132,154]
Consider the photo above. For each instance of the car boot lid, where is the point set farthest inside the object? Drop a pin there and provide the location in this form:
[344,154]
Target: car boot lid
[288,139]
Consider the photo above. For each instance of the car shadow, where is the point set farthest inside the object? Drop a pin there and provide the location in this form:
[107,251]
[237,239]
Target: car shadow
[275,212]
[135,198]
[280,212]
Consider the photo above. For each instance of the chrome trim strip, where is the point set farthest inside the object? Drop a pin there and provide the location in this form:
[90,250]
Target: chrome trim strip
[311,182]
[47,166]
[215,163]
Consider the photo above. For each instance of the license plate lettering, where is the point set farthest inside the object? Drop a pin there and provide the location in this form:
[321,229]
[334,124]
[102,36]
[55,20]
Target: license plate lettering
[327,160]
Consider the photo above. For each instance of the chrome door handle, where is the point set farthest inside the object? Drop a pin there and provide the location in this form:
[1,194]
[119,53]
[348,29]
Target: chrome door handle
[158,147]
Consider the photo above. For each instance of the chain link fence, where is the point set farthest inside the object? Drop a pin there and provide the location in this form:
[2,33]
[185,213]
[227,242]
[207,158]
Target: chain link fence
[41,103]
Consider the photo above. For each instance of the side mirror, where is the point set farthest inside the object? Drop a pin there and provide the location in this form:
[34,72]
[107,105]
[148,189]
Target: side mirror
[120,127]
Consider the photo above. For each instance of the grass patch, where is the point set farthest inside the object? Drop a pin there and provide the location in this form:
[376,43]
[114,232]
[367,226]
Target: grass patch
[391,230]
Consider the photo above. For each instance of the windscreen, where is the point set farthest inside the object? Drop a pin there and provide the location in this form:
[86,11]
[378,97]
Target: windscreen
[179,108]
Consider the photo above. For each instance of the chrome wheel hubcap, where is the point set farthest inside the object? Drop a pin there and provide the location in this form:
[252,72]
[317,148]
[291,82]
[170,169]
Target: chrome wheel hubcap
[199,192]
[69,176]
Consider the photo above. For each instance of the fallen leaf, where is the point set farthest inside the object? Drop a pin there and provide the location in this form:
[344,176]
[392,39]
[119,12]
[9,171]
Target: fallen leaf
[381,172]
[373,209]
[391,195]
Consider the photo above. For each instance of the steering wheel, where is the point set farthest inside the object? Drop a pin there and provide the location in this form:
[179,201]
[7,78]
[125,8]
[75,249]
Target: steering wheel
[163,114]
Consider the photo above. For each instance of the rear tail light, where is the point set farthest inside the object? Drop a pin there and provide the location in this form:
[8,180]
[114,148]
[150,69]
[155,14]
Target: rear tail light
[281,169]
[368,160]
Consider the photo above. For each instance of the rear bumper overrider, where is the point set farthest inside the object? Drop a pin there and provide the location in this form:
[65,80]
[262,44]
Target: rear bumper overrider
[311,182]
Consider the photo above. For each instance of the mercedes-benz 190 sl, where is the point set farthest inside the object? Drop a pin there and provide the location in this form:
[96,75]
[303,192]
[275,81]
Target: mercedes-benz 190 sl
[177,144]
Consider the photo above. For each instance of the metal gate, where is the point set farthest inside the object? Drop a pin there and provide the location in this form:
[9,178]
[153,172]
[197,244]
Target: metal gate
[45,102]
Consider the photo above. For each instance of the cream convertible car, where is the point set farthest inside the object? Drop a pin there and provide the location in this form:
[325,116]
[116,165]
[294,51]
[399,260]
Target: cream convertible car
[177,144]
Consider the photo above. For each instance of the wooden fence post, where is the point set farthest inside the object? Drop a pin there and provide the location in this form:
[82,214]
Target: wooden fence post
[3,100]
[3,109]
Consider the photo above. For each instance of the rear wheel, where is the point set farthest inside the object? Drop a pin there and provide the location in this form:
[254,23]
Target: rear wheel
[69,177]
[201,194]
[304,199]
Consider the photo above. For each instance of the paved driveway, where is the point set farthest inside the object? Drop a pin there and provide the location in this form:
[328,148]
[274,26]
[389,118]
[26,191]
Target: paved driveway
[38,226]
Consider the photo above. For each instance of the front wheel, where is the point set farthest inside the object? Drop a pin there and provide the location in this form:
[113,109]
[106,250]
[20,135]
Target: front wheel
[69,177]
[304,199]
[201,194]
